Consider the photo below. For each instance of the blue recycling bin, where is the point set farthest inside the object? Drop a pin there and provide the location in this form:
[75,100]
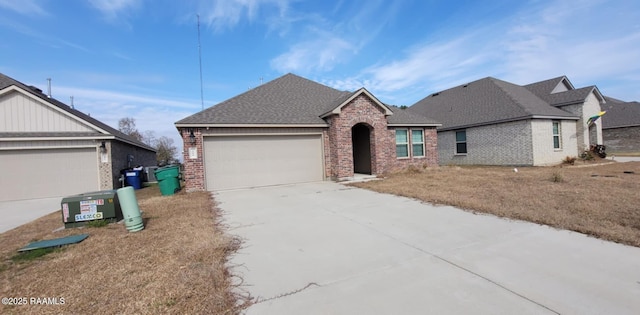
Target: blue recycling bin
[133,178]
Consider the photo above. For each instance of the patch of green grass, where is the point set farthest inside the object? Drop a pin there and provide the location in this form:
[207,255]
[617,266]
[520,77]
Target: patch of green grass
[3,267]
[34,254]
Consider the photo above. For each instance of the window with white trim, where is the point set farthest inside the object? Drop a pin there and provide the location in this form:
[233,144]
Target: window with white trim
[557,136]
[417,142]
[402,143]
[461,142]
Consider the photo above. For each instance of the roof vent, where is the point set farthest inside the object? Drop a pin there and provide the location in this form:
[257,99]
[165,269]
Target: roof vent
[435,94]
[35,89]
[464,86]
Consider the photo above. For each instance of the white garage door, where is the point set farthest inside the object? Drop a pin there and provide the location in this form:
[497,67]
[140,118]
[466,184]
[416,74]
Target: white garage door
[253,161]
[30,174]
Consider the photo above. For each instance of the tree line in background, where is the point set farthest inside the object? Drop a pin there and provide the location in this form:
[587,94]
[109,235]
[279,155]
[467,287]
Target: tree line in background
[166,151]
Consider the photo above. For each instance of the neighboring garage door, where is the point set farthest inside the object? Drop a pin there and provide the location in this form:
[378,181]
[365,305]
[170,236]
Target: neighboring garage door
[31,174]
[253,161]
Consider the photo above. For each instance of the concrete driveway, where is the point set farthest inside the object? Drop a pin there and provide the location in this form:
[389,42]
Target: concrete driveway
[17,213]
[325,248]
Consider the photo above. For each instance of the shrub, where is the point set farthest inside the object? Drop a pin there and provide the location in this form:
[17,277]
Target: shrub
[587,156]
[557,177]
[569,160]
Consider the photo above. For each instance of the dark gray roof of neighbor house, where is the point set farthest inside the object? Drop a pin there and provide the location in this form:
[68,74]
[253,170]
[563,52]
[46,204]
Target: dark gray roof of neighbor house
[485,101]
[287,100]
[6,81]
[405,116]
[620,113]
[546,87]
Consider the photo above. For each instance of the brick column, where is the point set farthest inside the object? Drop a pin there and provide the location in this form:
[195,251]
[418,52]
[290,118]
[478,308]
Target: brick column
[193,167]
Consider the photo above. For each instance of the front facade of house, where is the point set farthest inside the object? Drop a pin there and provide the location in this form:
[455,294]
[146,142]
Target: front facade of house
[293,130]
[493,122]
[48,149]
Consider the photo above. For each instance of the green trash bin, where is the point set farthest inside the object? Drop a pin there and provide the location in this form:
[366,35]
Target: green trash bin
[168,179]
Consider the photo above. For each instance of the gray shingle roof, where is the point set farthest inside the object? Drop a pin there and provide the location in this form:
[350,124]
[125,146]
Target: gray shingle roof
[485,101]
[287,100]
[620,113]
[6,81]
[546,87]
[405,116]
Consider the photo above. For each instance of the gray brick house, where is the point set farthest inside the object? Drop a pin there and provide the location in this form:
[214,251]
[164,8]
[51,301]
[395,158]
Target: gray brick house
[621,126]
[494,122]
[49,149]
[293,130]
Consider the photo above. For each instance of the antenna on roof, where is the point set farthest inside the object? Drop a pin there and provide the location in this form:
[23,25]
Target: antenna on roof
[49,87]
[200,62]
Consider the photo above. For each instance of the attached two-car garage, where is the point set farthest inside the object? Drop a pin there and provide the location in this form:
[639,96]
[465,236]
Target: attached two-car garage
[262,160]
[43,173]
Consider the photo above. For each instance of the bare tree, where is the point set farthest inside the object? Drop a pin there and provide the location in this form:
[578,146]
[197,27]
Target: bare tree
[166,151]
[127,126]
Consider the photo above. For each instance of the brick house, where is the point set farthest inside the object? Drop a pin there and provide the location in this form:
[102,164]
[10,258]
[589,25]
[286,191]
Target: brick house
[494,122]
[293,130]
[621,126]
[49,149]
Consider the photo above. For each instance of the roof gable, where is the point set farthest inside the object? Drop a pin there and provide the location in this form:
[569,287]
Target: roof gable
[287,100]
[576,96]
[546,87]
[9,85]
[344,102]
[485,101]
[31,114]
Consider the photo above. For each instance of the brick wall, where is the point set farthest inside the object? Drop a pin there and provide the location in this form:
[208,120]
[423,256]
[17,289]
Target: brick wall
[363,110]
[619,140]
[193,168]
[118,158]
[430,157]
[498,144]
[543,151]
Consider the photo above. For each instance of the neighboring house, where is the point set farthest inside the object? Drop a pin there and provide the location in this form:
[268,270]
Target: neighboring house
[621,126]
[48,149]
[493,122]
[293,130]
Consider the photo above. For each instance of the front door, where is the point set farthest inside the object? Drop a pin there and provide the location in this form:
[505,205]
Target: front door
[361,144]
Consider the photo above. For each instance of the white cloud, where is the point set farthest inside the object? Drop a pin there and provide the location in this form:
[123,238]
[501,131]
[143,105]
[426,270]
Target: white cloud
[322,54]
[549,39]
[324,43]
[150,112]
[25,7]
[223,14]
[113,10]
[46,39]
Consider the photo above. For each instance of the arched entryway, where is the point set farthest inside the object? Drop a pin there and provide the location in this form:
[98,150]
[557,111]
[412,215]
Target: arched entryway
[361,145]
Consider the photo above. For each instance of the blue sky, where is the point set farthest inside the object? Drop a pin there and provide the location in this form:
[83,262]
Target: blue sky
[137,58]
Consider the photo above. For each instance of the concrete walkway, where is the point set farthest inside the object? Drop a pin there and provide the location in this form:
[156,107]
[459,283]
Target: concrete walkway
[325,248]
[624,158]
[17,213]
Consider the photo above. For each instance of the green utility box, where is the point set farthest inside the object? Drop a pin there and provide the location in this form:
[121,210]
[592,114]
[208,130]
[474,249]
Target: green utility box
[168,179]
[99,205]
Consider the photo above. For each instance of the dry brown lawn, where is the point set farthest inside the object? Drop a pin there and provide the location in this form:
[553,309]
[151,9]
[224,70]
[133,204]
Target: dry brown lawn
[176,265]
[598,200]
